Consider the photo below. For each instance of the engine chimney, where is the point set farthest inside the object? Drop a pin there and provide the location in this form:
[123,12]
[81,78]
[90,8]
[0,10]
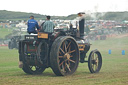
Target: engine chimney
[81,24]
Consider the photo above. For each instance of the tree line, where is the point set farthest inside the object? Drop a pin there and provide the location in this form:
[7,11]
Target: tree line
[5,15]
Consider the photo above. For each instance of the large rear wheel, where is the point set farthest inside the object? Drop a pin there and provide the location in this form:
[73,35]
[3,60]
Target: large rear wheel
[30,69]
[31,63]
[64,56]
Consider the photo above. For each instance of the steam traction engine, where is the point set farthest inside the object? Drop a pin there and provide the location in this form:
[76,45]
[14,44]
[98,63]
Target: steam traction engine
[59,50]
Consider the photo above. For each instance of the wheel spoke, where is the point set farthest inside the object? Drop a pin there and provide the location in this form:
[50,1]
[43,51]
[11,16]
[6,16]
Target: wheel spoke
[72,51]
[68,44]
[71,56]
[62,50]
[96,66]
[71,60]
[63,67]
[69,49]
[96,58]
[60,53]
[58,61]
[68,62]
[65,47]
[60,56]
[92,56]
[93,66]
[61,63]
[68,67]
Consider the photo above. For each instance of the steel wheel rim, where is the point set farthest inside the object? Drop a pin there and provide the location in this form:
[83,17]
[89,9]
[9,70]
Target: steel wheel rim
[31,69]
[67,56]
[41,52]
[94,61]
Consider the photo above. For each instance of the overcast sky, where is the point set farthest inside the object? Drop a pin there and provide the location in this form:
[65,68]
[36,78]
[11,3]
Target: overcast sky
[63,7]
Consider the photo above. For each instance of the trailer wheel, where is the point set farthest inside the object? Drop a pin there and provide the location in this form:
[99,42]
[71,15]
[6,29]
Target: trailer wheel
[64,56]
[10,45]
[31,69]
[94,61]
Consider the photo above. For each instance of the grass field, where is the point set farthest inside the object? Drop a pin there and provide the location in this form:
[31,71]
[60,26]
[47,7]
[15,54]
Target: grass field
[114,70]
[4,32]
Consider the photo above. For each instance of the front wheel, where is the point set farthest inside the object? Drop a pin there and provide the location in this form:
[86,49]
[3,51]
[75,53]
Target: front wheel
[95,61]
[10,46]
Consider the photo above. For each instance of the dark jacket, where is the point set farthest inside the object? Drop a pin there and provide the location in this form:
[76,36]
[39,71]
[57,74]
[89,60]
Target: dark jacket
[32,25]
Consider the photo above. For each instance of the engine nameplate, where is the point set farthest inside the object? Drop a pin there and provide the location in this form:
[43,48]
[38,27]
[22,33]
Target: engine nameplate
[42,35]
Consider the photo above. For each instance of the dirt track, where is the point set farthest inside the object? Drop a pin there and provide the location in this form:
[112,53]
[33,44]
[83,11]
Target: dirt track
[121,36]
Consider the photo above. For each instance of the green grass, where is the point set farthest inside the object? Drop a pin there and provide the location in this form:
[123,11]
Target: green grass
[4,32]
[114,70]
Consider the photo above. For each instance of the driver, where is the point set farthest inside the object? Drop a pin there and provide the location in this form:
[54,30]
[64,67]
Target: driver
[48,25]
[81,23]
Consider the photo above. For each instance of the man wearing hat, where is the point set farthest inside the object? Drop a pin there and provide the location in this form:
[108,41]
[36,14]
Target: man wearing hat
[81,23]
[32,25]
[81,30]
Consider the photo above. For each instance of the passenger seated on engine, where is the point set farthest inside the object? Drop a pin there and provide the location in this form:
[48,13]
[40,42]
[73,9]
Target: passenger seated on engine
[32,25]
[47,26]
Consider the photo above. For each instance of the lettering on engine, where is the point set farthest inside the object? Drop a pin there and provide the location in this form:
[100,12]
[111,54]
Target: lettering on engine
[29,38]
